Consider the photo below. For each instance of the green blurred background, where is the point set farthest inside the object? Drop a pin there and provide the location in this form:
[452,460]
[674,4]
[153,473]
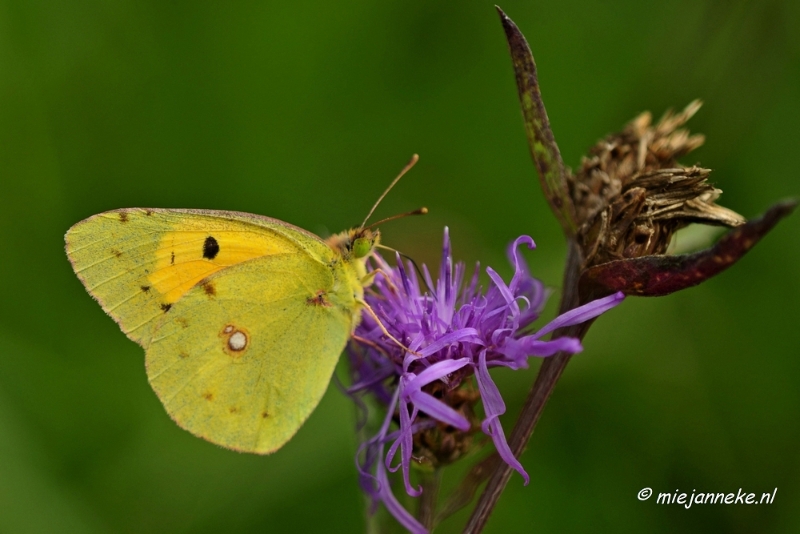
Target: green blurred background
[304,111]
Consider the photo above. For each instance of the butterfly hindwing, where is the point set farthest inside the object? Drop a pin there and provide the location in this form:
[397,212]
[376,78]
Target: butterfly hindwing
[244,357]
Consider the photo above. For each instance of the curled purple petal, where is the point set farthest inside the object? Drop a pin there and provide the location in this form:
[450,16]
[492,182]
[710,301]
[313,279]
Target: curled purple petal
[495,407]
[404,441]
[394,507]
[520,267]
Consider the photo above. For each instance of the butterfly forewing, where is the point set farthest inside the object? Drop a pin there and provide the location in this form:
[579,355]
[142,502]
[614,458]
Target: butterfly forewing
[139,262]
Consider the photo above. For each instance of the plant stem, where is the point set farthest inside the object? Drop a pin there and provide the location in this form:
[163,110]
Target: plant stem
[426,513]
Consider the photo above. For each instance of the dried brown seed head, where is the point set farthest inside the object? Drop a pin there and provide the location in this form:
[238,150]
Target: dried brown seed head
[631,194]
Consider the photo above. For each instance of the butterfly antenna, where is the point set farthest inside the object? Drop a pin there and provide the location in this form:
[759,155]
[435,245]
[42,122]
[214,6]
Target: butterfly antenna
[420,211]
[408,166]
[416,267]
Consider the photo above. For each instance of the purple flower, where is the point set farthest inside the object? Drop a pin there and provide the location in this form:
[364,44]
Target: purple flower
[457,332]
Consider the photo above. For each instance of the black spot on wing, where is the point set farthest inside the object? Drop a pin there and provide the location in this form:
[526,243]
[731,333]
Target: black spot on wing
[210,248]
[166,307]
[145,288]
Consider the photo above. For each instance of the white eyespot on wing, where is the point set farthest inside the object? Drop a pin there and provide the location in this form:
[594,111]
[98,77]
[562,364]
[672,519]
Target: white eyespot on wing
[237,341]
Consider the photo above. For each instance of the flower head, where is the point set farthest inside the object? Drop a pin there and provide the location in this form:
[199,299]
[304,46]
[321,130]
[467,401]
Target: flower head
[455,332]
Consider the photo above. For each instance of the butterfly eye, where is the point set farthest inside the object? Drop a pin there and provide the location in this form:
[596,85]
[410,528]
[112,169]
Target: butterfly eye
[362,246]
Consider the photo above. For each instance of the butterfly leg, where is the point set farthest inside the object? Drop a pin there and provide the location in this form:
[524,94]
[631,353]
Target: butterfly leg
[365,341]
[370,278]
[383,328]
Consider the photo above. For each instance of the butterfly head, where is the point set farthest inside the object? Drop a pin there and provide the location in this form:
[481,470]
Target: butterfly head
[363,242]
[357,243]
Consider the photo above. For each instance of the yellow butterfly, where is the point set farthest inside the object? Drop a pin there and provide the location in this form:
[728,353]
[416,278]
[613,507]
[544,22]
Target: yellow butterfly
[242,317]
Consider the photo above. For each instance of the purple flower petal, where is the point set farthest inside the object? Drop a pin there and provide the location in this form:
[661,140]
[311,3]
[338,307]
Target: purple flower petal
[404,441]
[530,346]
[435,372]
[494,407]
[368,447]
[437,409]
[498,282]
[583,313]
[394,507]
[520,267]
[465,334]
[446,255]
